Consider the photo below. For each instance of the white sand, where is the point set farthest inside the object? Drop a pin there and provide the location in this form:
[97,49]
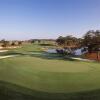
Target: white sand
[3,50]
[3,57]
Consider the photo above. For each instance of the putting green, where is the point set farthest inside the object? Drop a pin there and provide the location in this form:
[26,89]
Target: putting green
[56,76]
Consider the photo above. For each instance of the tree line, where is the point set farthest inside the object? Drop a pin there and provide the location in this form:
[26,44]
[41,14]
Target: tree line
[5,43]
[91,40]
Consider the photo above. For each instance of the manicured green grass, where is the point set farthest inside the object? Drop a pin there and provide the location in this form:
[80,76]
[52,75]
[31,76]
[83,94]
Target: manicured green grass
[47,75]
[50,75]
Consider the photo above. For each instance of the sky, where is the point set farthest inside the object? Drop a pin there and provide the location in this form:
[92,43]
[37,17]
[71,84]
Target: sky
[29,19]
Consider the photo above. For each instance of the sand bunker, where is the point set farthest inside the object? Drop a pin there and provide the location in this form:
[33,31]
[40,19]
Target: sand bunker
[3,50]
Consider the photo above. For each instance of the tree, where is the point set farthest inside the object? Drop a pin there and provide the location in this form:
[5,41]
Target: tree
[92,40]
[13,44]
[39,41]
[19,43]
[4,43]
[61,40]
[68,41]
[32,41]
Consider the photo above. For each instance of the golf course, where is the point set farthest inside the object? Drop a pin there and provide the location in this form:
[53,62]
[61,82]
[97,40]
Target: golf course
[33,74]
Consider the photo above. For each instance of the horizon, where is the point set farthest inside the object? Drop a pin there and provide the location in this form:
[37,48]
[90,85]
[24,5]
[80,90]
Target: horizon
[47,19]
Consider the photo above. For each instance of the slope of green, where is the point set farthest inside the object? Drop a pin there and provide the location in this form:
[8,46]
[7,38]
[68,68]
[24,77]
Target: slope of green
[9,91]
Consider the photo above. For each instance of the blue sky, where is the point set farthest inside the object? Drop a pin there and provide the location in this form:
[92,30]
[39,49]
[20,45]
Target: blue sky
[26,19]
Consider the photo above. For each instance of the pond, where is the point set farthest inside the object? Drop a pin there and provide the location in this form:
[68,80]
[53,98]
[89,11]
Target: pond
[51,51]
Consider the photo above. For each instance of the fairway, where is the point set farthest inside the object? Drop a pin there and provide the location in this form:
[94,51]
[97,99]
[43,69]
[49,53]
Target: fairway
[38,72]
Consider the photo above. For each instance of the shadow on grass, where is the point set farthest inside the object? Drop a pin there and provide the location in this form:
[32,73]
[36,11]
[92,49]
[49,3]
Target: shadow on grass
[47,44]
[39,54]
[10,91]
[52,56]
